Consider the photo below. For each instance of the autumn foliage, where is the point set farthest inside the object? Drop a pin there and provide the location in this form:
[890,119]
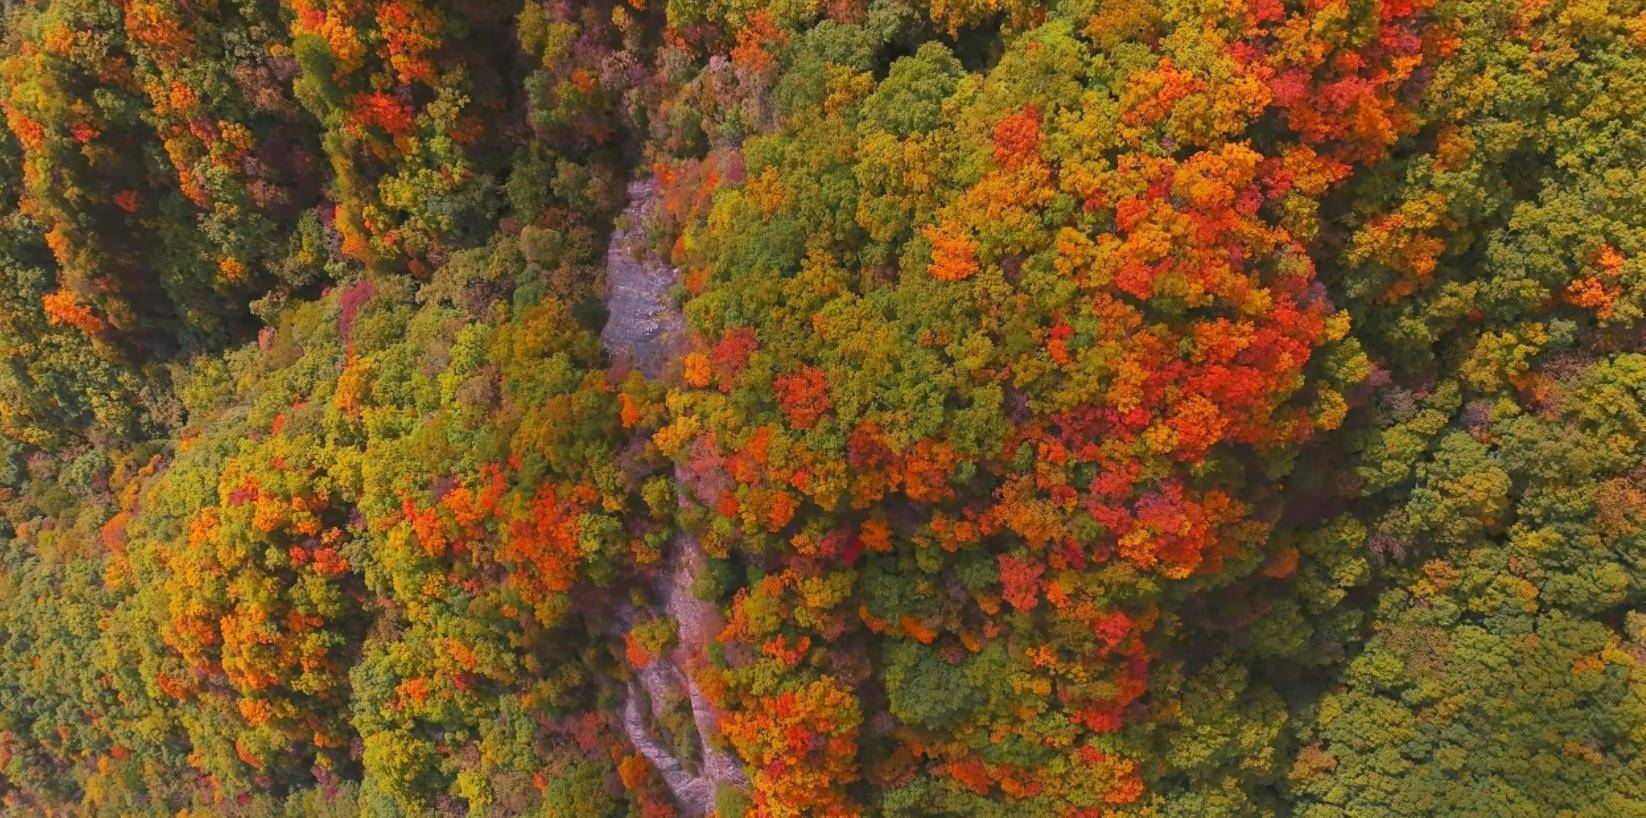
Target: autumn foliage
[972,407]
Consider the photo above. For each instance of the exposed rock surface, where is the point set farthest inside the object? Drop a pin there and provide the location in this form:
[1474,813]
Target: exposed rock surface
[644,326]
[646,329]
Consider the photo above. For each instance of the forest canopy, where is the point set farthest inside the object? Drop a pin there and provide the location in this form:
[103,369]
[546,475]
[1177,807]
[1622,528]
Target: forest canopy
[612,408]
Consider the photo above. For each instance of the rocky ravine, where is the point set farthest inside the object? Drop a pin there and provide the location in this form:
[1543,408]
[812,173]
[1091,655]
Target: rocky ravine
[643,325]
[646,329]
